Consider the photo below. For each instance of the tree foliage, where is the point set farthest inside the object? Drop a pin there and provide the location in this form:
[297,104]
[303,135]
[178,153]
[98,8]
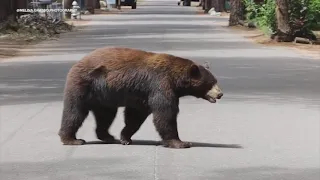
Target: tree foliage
[304,16]
[263,15]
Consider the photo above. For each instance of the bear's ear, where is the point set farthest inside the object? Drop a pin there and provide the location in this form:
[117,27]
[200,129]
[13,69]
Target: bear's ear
[206,65]
[97,70]
[194,71]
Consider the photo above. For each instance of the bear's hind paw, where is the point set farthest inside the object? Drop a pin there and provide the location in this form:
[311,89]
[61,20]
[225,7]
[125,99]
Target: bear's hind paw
[124,141]
[177,144]
[74,142]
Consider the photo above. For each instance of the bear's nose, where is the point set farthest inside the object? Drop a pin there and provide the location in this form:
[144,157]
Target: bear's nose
[219,95]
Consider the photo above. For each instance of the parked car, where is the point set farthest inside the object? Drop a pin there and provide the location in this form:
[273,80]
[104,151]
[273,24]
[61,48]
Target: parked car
[132,3]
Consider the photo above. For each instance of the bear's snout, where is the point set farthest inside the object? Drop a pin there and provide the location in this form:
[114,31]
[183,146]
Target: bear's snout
[214,93]
[220,95]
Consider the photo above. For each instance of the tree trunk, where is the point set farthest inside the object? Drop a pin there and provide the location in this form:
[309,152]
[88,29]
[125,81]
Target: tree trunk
[221,5]
[118,4]
[204,4]
[67,5]
[218,5]
[283,26]
[208,5]
[200,3]
[21,4]
[215,4]
[7,9]
[89,4]
[236,12]
[97,4]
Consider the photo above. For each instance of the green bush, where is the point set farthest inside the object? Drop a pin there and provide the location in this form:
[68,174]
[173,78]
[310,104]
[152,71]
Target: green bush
[266,19]
[298,10]
[251,9]
[304,15]
[263,15]
[314,14]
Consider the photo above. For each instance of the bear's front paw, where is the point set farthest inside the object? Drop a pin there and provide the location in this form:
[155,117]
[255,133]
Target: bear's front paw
[125,141]
[74,142]
[176,144]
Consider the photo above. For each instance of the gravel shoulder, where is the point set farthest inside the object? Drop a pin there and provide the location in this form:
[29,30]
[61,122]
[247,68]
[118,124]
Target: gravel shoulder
[12,43]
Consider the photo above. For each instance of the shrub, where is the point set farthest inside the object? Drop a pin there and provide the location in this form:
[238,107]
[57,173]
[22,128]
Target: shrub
[304,16]
[263,15]
[314,14]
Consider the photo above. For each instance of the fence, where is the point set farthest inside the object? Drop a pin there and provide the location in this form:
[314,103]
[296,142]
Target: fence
[56,14]
[54,10]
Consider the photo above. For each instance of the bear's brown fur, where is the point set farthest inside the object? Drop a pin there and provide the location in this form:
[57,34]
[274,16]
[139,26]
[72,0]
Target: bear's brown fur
[142,82]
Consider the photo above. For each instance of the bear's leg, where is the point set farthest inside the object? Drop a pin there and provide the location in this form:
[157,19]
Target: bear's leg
[104,118]
[134,118]
[73,116]
[165,121]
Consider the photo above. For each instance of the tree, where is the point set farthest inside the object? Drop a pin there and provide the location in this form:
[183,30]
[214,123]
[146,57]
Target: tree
[97,4]
[201,3]
[283,21]
[236,12]
[219,5]
[207,5]
[67,5]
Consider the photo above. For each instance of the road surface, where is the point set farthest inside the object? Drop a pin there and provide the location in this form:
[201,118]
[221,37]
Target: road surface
[265,127]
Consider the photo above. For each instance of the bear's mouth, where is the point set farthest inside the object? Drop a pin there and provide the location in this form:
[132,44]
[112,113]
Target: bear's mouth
[210,99]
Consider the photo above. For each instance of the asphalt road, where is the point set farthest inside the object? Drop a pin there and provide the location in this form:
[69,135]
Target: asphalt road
[265,127]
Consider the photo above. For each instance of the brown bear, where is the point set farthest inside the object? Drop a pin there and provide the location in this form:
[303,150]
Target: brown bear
[142,82]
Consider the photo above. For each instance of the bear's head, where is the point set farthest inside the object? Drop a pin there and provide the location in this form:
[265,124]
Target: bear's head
[203,84]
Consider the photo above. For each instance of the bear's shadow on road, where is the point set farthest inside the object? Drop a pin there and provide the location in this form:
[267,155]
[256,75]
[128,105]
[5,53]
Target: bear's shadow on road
[158,143]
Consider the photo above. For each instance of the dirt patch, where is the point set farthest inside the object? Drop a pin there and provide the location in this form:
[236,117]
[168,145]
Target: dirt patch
[7,53]
[11,48]
[11,42]
[78,22]
[225,14]
[257,36]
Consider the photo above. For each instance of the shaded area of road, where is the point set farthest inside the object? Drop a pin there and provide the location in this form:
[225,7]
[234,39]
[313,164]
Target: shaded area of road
[286,80]
[245,70]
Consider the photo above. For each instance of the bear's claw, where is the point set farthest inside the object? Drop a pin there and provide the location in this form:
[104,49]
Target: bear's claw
[125,141]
